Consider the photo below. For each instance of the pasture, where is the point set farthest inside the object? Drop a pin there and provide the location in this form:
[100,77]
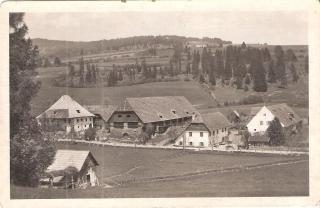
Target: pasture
[253,175]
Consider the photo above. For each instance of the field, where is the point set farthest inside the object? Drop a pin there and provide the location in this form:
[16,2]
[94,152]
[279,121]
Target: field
[174,173]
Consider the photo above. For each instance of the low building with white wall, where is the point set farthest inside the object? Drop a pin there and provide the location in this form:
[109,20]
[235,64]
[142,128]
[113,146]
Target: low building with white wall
[210,129]
[259,124]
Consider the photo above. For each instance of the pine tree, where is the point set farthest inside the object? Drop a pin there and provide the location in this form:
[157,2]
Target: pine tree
[266,55]
[30,153]
[219,63]
[243,45]
[88,74]
[258,72]
[247,79]
[271,73]
[280,68]
[275,132]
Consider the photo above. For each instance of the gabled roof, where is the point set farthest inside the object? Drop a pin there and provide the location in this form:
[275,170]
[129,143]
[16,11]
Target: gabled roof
[284,113]
[105,111]
[70,158]
[215,120]
[66,107]
[153,109]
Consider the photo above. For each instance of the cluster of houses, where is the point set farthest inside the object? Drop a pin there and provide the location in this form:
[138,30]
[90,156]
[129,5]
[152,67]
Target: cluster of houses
[173,118]
[165,114]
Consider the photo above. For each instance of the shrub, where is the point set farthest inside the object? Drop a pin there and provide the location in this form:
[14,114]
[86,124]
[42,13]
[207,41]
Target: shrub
[90,134]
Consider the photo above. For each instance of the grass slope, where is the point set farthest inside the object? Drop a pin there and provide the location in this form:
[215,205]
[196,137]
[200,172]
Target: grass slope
[283,180]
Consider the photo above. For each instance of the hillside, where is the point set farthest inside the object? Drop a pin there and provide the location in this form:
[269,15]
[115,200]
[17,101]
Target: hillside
[63,49]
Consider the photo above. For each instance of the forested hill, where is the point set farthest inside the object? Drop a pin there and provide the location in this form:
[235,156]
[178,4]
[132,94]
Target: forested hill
[52,48]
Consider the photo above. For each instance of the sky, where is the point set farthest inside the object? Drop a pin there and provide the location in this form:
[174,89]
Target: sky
[272,27]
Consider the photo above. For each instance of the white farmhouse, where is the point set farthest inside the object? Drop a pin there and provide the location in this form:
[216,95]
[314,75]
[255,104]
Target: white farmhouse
[66,114]
[261,121]
[210,129]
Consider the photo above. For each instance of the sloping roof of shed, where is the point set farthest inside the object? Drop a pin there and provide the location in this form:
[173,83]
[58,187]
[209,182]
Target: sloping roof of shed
[283,112]
[69,107]
[153,109]
[70,158]
[105,111]
[215,120]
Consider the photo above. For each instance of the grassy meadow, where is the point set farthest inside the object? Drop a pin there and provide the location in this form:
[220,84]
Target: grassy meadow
[119,165]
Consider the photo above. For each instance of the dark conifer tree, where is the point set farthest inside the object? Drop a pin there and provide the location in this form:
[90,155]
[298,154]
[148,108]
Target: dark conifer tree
[258,72]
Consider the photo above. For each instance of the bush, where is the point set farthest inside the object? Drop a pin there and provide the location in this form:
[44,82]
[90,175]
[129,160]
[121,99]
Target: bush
[246,88]
[90,134]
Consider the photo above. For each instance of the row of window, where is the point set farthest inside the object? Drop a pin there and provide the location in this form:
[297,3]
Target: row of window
[128,116]
[190,134]
[191,143]
[213,132]
[82,119]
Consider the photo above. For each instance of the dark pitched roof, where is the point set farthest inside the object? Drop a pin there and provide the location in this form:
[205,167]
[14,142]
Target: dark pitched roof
[153,109]
[215,120]
[105,111]
[197,127]
[285,114]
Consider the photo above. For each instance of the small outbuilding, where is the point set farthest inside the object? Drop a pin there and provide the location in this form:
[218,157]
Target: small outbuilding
[71,169]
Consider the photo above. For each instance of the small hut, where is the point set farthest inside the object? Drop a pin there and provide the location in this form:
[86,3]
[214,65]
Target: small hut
[71,169]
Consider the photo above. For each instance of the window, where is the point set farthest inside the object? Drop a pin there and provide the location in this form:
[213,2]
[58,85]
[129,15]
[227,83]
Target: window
[133,125]
[77,120]
[78,111]
[201,134]
[78,126]
[201,144]
[54,112]
[180,143]
[86,119]
[128,116]
[119,116]
[261,123]
[187,112]
[173,111]
[85,125]
[118,125]
[190,134]
[212,132]
[255,129]
[190,143]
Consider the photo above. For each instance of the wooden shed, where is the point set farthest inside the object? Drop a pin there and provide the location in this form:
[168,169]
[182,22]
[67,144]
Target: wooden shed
[71,169]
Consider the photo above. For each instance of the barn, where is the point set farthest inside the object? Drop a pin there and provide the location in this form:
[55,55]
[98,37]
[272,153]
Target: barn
[66,115]
[160,112]
[71,169]
[261,120]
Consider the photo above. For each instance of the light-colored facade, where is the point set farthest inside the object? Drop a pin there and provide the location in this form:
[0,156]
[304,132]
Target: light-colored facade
[66,115]
[260,122]
[194,138]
